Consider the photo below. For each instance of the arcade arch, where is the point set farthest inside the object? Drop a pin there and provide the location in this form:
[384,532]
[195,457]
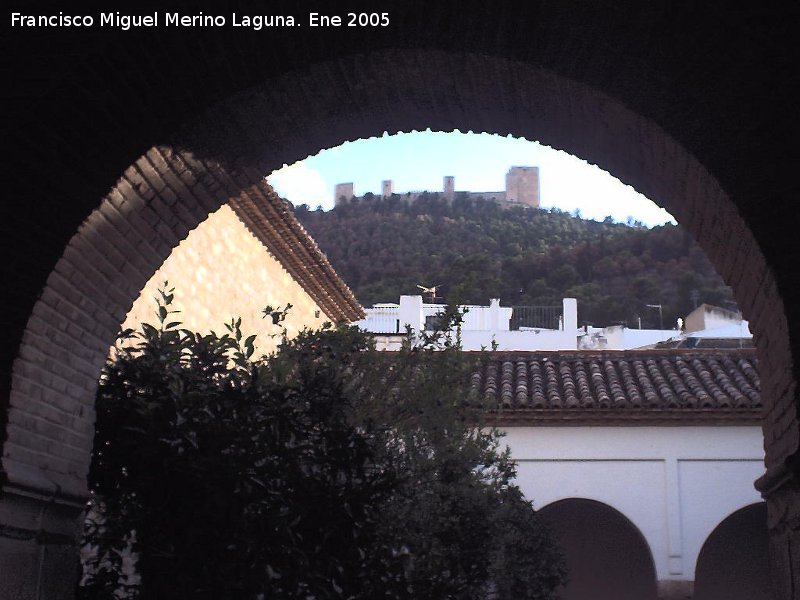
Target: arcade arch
[734,561]
[607,556]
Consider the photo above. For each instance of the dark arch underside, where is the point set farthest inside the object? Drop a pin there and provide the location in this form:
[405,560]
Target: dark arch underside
[734,561]
[607,556]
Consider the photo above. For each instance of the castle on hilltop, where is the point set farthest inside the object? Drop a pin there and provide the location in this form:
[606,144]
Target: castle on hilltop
[522,189]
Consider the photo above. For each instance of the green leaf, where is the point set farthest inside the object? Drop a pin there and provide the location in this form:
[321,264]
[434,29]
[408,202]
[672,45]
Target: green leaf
[149,330]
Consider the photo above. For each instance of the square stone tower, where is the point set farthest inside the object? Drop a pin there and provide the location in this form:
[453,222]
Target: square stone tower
[522,185]
[343,190]
[387,188]
[449,187]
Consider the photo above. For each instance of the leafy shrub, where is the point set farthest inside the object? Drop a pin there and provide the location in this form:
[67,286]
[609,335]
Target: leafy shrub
[327,470]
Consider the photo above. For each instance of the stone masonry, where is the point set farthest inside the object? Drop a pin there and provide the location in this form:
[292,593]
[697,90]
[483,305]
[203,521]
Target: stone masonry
[221,271]
[522,189]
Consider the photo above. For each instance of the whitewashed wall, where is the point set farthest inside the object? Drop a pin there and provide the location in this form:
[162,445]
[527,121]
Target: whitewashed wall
[675,484]
[483,326]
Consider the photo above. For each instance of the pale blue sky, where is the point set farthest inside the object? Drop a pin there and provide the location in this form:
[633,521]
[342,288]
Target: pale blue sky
[418,161]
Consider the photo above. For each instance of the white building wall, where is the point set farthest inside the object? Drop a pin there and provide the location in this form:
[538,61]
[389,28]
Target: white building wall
[713,320]
[676,484]
[482,327]
[618,337]
[546,339]
[411,313]
[707,316]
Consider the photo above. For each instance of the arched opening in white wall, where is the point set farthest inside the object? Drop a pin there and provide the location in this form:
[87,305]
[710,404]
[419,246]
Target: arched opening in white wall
[734,561]
[607,556]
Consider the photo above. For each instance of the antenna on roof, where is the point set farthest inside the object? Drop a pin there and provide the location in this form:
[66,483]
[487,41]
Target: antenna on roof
[429,290]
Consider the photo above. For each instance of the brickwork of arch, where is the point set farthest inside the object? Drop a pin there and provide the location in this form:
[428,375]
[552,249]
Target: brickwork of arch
[154,205]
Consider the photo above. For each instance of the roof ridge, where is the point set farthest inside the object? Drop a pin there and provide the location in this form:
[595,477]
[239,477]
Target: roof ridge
[273,222]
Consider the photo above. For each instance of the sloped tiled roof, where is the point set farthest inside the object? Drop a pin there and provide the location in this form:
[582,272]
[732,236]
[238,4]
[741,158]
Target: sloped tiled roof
[272,221]
[666,386]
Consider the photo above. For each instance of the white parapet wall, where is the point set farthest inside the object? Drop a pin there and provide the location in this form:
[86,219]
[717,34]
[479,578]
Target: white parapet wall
[483,326]
[618,337]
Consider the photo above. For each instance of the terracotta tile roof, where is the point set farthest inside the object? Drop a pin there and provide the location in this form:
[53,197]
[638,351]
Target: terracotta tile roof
[272,221]
[672,385]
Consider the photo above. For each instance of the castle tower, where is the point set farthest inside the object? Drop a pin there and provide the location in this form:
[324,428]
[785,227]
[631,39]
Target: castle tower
[387,188]
[522,185]
[449,187]
[343,191]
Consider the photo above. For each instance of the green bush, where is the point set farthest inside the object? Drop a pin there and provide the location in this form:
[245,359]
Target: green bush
[327,470]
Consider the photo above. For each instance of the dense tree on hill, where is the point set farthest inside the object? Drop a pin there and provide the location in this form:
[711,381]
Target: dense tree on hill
[475,250]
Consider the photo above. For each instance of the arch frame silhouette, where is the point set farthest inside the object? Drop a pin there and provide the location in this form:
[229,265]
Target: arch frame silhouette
[572,91]
[169,191]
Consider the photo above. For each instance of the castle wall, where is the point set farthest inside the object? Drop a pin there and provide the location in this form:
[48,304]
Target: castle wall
[496,196]
[522,187]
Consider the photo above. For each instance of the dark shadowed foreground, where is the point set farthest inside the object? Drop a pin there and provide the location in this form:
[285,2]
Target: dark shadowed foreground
[324,471]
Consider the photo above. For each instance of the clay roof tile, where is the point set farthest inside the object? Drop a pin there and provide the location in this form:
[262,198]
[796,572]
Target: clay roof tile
[642,384]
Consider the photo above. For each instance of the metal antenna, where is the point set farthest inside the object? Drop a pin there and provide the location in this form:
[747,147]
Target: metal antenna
[429,290]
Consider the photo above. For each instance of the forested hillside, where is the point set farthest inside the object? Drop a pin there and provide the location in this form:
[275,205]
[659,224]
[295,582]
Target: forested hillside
[474,250]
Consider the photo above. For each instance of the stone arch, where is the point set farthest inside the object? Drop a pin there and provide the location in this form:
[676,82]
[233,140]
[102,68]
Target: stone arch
[154,205]
[733,563]
[171,189]
[607,556]
[226,151]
